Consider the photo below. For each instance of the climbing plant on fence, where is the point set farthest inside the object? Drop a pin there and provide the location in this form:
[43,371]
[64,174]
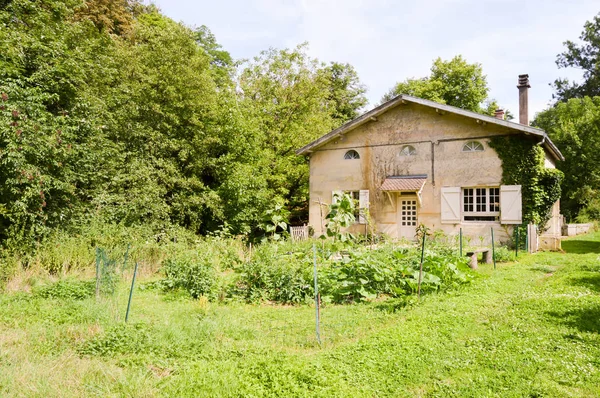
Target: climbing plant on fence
[523,164]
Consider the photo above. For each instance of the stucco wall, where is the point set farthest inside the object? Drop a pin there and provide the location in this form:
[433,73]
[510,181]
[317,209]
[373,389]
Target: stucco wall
[438,140]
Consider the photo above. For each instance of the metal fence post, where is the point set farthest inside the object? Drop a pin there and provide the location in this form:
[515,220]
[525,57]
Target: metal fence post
[460,239]
[317,314]
[131,292]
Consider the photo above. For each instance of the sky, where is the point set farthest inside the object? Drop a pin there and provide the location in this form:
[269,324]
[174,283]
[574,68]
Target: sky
[389,41]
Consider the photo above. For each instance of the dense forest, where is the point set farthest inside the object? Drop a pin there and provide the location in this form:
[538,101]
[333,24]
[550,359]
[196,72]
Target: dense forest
[113,113]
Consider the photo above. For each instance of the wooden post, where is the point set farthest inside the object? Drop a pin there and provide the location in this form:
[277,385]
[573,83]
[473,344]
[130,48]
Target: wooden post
[460,241]
[321,212]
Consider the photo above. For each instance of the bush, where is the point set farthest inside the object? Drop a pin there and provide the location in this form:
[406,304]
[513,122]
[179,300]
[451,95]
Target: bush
[365,274]
[121,339]
[358,274]
[271,275]
[68,289]
[503,254]
[191,271]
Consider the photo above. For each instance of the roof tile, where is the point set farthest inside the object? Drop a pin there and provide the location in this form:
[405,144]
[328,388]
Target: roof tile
[404,183]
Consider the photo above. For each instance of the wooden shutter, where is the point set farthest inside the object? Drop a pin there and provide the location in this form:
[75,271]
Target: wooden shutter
[450,205]
[511,207]
[363,206]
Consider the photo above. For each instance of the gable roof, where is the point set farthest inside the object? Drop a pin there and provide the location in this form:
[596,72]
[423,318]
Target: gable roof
[403,98]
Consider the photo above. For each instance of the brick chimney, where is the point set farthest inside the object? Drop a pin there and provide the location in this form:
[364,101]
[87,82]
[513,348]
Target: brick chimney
[499,114]
[523,99]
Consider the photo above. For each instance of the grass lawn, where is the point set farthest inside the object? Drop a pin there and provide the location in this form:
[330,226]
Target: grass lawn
[527,329]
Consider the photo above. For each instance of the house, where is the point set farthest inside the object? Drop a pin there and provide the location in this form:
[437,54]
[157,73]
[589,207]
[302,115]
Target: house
[411,161]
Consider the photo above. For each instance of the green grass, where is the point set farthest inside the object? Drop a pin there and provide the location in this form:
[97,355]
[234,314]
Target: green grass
[528,329]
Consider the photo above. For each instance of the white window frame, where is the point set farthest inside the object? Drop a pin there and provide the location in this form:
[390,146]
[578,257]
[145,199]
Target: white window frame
[408,150]
[473,146]
[475,213]
[353,152]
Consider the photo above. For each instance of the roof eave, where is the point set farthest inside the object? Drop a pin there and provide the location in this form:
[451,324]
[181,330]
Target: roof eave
[403,98]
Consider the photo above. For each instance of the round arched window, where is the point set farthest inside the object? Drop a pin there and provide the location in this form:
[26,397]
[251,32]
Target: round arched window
[408,150]
[352,154]
[473,146]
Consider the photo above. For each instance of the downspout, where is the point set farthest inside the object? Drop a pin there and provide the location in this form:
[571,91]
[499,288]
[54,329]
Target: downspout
[432,163]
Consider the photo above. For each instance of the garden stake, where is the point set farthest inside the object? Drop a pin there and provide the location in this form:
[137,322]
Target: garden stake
[493,249]
[421,268]
[460,240]
[316,293]
[97,273]
[131,292]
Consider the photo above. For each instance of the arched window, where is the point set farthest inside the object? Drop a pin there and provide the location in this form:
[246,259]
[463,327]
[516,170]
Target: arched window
[473,146]
[352,154]
[408,150]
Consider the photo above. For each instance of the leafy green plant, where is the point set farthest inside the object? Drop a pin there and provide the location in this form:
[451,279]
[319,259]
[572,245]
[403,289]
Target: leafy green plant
[68,289]
[341,215]
[523,164]
[191,271]
[120,339]
[504,254]
[273,275]
[276,219]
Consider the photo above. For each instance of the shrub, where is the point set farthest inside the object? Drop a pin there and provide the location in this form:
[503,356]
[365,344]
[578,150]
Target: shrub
[191,271]
[347,276]
[364,274]
[68,289]
[504,254]
[121,339]
[271,275]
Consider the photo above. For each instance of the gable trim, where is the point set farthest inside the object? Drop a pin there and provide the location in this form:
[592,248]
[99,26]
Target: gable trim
[403,99]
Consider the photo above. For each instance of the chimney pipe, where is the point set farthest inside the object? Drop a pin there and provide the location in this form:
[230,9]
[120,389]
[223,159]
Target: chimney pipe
[499,114]
[523,99]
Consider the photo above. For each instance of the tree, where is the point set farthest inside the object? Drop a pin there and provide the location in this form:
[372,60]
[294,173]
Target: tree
[585,57]
[287,97]
[222,64]
[574,125]
[345,91]
[455,82]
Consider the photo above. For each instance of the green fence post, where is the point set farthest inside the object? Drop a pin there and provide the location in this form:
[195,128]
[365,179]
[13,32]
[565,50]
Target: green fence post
[421,267]
[131,292]
[460,239]
[517,241]
[493,248]
[97,273]
[316,295]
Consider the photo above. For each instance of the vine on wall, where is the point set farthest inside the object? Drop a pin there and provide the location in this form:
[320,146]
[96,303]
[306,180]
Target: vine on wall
[523,164]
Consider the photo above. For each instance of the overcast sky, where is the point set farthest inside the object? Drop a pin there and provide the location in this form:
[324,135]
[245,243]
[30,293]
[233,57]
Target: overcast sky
[388,41]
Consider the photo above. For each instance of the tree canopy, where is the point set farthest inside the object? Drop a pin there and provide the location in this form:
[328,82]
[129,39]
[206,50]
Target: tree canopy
[110,110]
[573,123]
[574,126]
[585,57]
[455,82]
